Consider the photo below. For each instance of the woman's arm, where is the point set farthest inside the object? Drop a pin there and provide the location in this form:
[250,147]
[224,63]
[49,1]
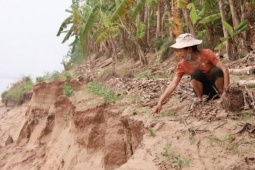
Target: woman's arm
[169,90]
[225,73]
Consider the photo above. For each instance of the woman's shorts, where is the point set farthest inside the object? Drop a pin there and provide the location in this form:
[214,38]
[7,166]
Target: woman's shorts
[209,87]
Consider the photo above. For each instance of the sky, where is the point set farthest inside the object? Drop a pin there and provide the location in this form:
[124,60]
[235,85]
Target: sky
[28,42]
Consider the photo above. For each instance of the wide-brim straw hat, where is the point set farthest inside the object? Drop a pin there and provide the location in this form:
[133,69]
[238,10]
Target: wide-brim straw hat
[185,40]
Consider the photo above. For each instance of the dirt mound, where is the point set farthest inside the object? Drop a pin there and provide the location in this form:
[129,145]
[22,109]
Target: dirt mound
[55,134]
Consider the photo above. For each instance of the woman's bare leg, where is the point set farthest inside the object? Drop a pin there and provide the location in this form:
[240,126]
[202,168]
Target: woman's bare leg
[219,83]
[198,87]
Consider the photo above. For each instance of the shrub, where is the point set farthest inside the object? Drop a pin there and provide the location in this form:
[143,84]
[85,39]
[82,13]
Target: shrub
[157,43]
[55,76]
[67,89]
[39,79]
[67,76]
[48,77]
[144,74]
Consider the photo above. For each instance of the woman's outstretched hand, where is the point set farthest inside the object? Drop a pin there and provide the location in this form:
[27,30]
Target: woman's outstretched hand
[157,109]
[222,98]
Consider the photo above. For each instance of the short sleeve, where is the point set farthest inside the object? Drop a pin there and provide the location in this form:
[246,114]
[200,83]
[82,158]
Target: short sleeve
[212,57]
[179,72]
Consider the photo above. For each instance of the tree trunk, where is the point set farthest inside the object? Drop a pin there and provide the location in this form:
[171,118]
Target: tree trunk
[148,24]
[188,22]
[168,7]
[105,48]
[235,17]
[236,22]
[223,17]
[141,55]
[141,15]
[124,40]
[145,20]
[114,56]
[233,50]
[158,19]
[177,26]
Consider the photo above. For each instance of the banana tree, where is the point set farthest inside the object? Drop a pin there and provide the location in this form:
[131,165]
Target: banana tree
[70,27]
[233,33]
[112,24]
[204,20]
[184,5]
[78,24]
[177,27]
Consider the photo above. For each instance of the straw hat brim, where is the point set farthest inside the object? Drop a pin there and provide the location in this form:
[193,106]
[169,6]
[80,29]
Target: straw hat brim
[179,45]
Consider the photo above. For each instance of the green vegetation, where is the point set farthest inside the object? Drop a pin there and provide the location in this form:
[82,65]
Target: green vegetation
[167,153]
[233,32]
[152,133]
[223,142]
[245,117]
[164,50]
[175,161]
[179,162]
[67,89]
[150,74]
[68,76]
[144,75]
[49,77]
[100,90]
[66,117]
[17,93]
[157,43]
[54,76]
[39,79]
[108,27]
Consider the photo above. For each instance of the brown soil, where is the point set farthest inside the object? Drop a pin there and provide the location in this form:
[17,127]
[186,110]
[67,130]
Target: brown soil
[52,131]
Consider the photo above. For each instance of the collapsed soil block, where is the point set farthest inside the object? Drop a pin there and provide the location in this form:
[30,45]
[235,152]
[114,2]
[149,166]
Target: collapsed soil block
[234,100]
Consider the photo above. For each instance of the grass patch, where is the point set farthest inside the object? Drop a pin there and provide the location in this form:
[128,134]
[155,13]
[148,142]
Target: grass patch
[222,142]
[176,161]
[17,93]
[245,117]
[55,76]
[152,133]
[66,117]
[144,75]
[39,79]
[102,91]
[48,77]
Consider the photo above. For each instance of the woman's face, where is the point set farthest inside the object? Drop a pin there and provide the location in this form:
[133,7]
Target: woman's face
[182,52]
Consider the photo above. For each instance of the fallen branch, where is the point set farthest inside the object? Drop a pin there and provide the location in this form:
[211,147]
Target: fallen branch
[220,125]
[105,63]
[241,71]
[248,83]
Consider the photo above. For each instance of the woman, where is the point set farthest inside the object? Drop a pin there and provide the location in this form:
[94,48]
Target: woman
[209,76]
